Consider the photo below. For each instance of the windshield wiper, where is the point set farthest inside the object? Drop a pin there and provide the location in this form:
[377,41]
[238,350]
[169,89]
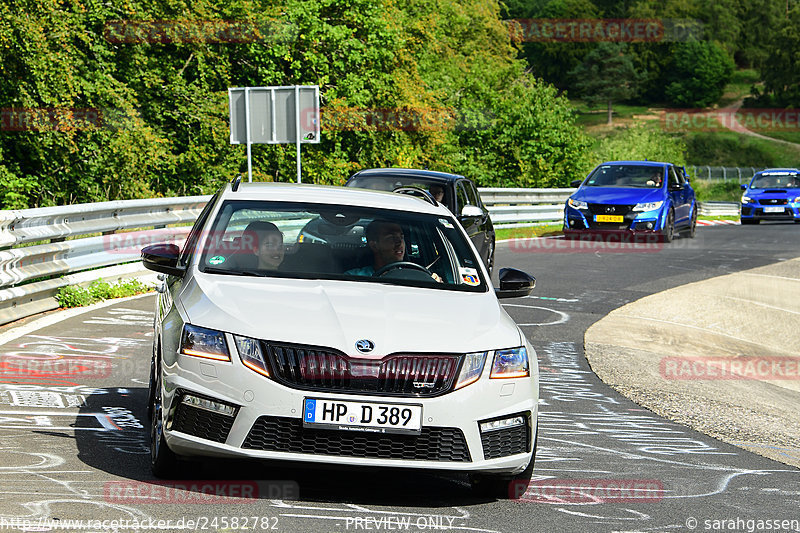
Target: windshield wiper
[215,270]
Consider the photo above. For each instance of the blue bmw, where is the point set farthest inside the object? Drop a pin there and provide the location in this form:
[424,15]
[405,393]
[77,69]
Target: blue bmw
[632,198]
[772,194]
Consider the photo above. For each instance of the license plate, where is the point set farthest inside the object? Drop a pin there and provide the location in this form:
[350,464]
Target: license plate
[366,417]
[609,218]
[773,209]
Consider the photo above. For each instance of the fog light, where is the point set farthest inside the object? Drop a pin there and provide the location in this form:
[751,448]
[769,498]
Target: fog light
[495,425]
[649,225]
[208,405]
[571,222]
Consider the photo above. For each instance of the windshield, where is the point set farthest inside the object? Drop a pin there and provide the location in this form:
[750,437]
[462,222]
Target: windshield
[645,176]
[390,182]
[784,180]
[319,241]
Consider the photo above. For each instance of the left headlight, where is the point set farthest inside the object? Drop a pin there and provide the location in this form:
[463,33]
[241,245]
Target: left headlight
[648,206]
[577,204]
[511,363]
[204,343]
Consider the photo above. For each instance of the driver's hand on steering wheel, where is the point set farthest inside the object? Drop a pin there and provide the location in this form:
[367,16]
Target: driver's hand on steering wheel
[437,277]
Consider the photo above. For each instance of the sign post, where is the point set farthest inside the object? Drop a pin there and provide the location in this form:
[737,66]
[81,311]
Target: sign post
[274,115]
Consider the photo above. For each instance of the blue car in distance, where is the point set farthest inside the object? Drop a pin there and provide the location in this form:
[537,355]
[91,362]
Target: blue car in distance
[632,198]
[772,194]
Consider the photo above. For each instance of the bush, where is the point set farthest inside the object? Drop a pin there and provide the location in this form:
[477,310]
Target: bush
[700,70]
[99,290]
[638,143]
[717,191]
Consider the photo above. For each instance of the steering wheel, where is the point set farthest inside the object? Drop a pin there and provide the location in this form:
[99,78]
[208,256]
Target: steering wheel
[401,264]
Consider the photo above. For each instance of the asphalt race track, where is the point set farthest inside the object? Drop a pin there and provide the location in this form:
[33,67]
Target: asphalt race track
[74,436]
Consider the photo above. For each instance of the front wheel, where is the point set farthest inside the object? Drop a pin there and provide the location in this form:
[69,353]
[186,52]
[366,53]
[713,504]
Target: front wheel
[669,227]
[691,231]
[163,461]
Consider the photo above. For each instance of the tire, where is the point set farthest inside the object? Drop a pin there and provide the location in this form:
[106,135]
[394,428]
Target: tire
[691,231]
[503,486]
[668,233]
[490,259]
[163,461]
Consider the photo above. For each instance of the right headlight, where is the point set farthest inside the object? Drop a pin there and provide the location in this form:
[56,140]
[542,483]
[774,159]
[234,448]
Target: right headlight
[577,204]
[471,369]
[746,199]
[251,354]
[205,343]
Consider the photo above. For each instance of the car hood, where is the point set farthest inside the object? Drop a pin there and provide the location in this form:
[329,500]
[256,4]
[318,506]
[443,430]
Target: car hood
[618,195]
[336,314]
[776,192]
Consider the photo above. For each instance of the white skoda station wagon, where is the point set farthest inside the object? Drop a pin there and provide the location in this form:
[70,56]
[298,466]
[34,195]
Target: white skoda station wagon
[343,326]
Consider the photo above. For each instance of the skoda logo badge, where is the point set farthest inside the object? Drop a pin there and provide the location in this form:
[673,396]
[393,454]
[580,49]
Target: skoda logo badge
[365,345]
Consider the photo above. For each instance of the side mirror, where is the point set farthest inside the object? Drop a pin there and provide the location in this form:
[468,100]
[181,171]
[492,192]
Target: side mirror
[471,211]
[162,258]
[575,183]
[743,186]
[514,283]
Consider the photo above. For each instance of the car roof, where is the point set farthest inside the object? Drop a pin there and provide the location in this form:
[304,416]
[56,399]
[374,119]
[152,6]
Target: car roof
[782,171]
[645,163]
[430,175]
[328,194]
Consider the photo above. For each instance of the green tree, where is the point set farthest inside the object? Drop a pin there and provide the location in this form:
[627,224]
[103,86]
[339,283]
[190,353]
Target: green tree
[698,74]
[606,75]
[780,73]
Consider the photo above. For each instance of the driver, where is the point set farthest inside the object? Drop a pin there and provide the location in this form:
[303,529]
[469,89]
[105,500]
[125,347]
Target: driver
[388,245]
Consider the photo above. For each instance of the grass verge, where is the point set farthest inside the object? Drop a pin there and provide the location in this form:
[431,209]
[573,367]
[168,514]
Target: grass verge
[99,290]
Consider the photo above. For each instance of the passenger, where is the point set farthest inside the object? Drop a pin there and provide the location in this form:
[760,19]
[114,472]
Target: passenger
[437,191]
[267,245]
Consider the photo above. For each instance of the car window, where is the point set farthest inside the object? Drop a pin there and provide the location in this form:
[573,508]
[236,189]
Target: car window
[389,183]
[321,241]
[472,194]
[673,178]
[782,180]
[195,233]
[640,176]
[461,197]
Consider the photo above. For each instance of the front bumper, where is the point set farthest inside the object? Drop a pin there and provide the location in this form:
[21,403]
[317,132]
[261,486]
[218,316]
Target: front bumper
[267,423]
[633,222]
[755,211]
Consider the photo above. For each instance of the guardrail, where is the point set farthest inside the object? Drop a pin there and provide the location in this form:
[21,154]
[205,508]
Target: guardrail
[516,207]
[78,244]
[718,209]
[42,243]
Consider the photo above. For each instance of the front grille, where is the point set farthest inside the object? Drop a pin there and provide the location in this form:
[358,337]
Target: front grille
[611,209]
[782,214]
[505,442]
[201,423]
[773,201]
[322,369]
[281,434]
[603,209]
